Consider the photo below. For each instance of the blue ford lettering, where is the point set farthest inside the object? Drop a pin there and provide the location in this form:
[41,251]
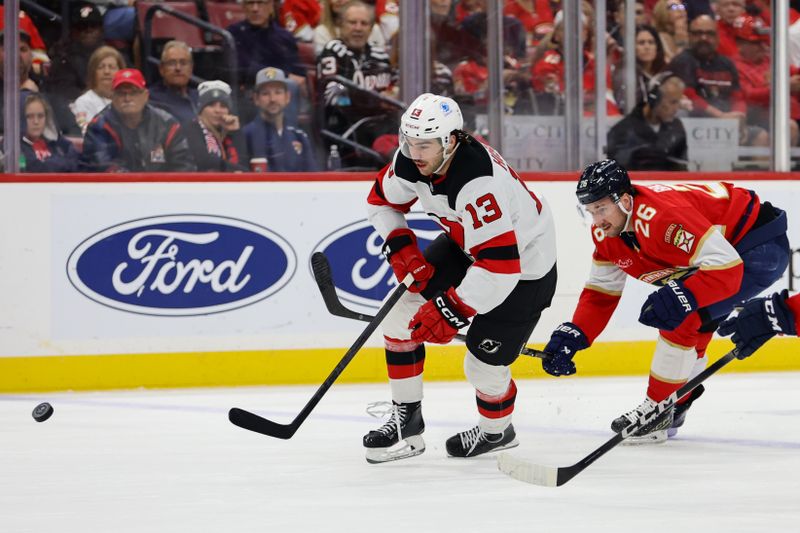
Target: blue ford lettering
[180,265]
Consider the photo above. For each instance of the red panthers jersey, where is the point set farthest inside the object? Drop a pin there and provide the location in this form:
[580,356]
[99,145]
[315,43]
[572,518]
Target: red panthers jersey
[675,231]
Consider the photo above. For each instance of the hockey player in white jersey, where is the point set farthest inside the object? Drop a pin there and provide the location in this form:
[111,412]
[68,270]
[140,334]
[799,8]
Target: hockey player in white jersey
[493,269]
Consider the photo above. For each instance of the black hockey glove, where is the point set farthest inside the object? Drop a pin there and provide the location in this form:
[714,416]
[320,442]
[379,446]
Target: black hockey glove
[759,320]
[564,343]
[667,307]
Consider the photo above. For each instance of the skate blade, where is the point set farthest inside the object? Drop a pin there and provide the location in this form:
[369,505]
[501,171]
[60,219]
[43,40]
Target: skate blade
[656,437]
[410,447]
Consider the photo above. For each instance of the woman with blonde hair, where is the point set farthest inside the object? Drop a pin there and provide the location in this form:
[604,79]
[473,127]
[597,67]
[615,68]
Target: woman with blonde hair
[43,149]
[672,23]
[103,64]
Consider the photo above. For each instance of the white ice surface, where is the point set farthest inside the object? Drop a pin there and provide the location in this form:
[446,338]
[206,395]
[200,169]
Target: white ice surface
[169,461]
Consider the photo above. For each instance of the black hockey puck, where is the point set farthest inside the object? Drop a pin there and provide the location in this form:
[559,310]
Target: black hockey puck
[42,412]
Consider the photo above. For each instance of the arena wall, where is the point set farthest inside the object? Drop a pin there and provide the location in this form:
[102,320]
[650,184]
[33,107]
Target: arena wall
[130,280]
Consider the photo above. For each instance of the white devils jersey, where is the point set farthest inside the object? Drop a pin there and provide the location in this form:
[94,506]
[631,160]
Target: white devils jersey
[506,229]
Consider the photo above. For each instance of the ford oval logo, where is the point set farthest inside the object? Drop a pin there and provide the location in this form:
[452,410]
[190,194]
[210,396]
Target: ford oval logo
[181,265]
[360,272]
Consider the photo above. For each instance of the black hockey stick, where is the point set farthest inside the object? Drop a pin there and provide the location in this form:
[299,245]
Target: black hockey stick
[322,275]
[253,422]
[551,476]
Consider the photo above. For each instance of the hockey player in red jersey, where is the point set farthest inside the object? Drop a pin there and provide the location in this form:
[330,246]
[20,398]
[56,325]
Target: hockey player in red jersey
[761,319]
[709,248]
[493,269]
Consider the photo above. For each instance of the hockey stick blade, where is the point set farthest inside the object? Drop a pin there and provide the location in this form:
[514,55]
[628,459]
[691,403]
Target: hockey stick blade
[550,476]
[321,268]
[253,422]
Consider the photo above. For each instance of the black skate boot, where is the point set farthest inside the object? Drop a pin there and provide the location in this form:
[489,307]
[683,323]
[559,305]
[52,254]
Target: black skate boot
[400,437]
[475,442]
[681,408]
[653,432]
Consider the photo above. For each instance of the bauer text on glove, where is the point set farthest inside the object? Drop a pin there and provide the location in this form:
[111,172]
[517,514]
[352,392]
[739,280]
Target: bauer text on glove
[668,307]
[566,340]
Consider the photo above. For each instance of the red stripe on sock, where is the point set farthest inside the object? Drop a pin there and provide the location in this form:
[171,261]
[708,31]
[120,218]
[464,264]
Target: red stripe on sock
[405,371]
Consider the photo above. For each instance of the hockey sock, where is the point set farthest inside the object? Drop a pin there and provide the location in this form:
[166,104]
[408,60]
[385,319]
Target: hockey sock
[405,361]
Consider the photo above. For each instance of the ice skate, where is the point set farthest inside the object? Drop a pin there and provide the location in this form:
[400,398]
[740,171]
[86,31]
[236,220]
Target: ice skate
[653,432]
[682,408]
[400,437]
[476,442]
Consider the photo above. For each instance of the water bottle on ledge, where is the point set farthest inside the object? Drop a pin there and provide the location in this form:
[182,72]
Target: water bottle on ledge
[334,159]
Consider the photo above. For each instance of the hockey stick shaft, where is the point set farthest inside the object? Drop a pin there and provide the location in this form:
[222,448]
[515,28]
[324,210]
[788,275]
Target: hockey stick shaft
[253,422]
[557,476]
[322,275]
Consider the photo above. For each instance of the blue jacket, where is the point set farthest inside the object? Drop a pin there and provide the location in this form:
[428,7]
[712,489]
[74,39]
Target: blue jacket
[60,156]
[259,47]
[289,152]
[183,108]
[158,144]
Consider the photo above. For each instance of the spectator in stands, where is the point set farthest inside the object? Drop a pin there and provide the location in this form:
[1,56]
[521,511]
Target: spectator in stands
[172,93]
[712,81]
[103,64]
[132,136]
[215,138]
[449,44]
[286,148]
[617,29]
[38,47]
[728,11]
[387,17]
[669,18]
[330,26]
[262,42]
[651,137]
[301,17]
[465,8]
[43,149]
[514,36]
[649,62]
[67,79]
[532,14]
[353,58]
[547,74]
[26,85]
[752,63]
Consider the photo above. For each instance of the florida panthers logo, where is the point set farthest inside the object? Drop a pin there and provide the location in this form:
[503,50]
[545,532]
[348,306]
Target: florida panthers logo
[683,239]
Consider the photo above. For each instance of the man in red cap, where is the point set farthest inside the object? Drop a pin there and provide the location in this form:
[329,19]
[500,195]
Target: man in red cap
[132,136]
[752,62]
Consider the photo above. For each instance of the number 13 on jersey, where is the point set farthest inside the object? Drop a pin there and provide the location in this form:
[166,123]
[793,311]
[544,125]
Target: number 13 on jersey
[485,211]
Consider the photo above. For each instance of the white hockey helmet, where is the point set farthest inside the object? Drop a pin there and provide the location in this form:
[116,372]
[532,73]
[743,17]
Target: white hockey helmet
[430,116]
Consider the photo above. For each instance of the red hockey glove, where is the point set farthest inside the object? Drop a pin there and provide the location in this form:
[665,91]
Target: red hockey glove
[404,255]
[439,319]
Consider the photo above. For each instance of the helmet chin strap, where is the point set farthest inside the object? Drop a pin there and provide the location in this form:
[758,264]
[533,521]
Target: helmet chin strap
[628,213]
[447,156]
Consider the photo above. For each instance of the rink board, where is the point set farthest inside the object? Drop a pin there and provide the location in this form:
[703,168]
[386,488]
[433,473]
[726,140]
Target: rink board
[88,302]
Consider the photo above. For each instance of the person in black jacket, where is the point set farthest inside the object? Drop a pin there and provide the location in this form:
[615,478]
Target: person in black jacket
[43,148]
[215,137]
[132,136]
[651,137]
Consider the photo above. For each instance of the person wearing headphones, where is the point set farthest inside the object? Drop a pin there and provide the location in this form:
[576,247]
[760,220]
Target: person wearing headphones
[651,137]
